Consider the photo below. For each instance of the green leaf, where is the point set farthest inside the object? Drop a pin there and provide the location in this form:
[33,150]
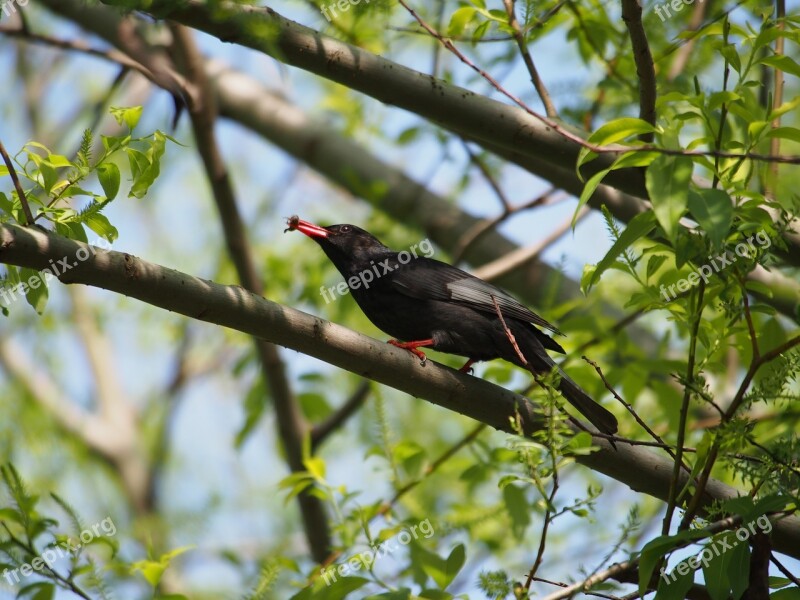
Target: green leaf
[657,548]
[619,129]
[108,174]
[48,176]
[756,128]
[786,133]
[455,562]
[667,181]
[784,108]
[440,570]
[612,132]
[717,99]
[480,31]
[146,166]
[717,571]
[152,570]
[40,590]
[255,403]
[641,225]
[738,568]
[654,263]
[730,53]
[435,595]
[518,509]
[586,278]
[635,158]
[316,466]
[129,116]
[35,288]
[783,63]
[713,210]
[433,565]
[59,161]
[587,192]
[459,20]
[411,456]
[673,585]
[297,482]
[101,226]
[344,585]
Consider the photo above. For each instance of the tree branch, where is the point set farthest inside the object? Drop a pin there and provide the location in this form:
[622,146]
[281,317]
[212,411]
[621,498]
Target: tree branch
[291,423]
[234,307]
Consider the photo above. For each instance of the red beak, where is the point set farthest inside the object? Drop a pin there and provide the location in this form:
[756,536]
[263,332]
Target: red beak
[311,230]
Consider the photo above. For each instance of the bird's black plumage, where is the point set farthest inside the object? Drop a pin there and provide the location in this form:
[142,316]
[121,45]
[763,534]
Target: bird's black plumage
[426,300]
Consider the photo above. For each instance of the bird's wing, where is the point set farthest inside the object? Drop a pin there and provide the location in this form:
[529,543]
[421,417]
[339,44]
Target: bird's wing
[429,279]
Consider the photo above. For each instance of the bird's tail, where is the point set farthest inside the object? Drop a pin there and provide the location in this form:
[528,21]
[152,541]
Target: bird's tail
[540,362]
[597,415]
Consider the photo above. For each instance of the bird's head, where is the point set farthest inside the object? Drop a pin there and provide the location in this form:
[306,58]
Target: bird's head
[344,244]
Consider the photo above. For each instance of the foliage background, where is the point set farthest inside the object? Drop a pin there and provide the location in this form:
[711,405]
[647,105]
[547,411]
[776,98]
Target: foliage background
[188,399]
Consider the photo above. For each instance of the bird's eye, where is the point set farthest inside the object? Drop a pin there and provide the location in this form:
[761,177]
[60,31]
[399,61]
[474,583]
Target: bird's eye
[345,229]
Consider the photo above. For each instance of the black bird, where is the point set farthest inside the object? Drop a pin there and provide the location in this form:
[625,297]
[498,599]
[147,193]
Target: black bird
[428,303]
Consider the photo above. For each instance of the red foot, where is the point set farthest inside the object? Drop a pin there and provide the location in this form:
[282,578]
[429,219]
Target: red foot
[467,368]
[414,347]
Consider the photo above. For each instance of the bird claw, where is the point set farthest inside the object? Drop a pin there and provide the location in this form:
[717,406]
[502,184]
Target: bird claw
[467,368]
[411,347]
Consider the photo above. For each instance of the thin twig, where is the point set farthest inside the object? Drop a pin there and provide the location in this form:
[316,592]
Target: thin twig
[784,570]
[749,318]
[536,79]
[548,518]
[509,335]
[111,55]
[389,504]
[521,256]
[723,113]
[23,200]
[474,233]
[487,174]
[636,416]
[582,586]
[777,93]
[673,485]
[321,431]
[755,365]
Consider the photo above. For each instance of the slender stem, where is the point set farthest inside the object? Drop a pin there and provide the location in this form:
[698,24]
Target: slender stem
[687,393]
[536,80]
[23,200]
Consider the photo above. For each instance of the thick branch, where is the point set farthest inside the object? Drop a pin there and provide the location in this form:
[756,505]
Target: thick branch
[453,107]
[645,69]
[291,423]
[234,307]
